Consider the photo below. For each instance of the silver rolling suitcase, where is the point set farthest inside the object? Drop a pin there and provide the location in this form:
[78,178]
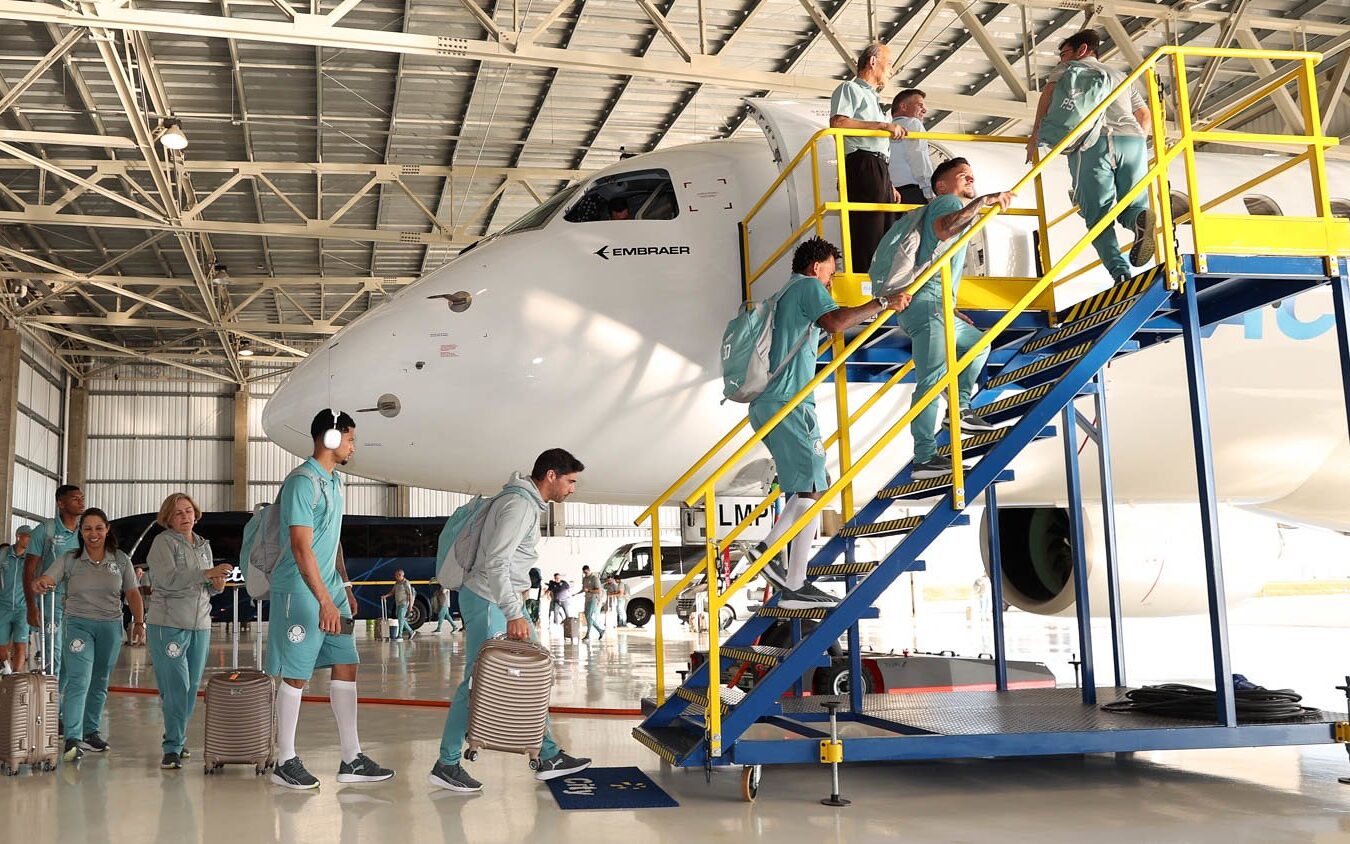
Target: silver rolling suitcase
[241,713]
[30,709]
[509,697]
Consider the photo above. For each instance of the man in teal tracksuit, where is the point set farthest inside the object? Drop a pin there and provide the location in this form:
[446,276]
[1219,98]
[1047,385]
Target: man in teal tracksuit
[502,544]
[1106,169]
[13,607]
[590,584]
[49,541]
[953,209]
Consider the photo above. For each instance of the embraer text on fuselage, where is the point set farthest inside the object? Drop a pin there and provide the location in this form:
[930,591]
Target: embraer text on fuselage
[608,251]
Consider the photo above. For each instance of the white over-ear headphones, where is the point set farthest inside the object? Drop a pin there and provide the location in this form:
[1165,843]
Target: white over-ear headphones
[332,438]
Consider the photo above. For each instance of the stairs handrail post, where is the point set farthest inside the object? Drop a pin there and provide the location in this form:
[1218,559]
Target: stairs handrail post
[953,386]
[842,423]
[714,577]
[815,184]
[1158,128]
[845,234]
[658,602]
[1317,161]
[1187,144]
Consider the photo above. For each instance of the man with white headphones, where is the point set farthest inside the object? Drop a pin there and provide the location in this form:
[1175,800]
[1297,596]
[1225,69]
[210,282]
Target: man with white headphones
[310,626]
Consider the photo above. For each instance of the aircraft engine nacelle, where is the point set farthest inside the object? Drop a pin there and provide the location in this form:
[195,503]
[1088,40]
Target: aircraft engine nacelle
[1160,558]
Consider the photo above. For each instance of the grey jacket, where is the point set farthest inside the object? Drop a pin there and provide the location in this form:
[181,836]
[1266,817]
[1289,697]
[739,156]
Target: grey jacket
[180,593]
[508,547]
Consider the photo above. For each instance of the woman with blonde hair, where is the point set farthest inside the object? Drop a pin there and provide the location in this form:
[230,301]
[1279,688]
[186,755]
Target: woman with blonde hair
[183,577]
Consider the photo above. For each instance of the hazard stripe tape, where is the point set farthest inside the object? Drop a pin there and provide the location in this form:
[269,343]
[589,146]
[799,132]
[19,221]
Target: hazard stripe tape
[654,746]
[840,569]
[892,526]
[752,657]
[1039,366]
[1106,298]
[1085,324]
[781,612]
[1031,396]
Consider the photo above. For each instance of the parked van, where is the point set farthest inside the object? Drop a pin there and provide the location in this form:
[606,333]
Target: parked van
[632,564]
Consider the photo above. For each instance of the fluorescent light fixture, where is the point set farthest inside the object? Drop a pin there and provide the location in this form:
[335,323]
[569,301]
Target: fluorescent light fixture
[245,348]
[219,275]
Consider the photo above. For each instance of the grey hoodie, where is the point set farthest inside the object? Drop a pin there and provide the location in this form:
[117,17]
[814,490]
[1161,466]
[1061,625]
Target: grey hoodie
[508,547]
[180,594]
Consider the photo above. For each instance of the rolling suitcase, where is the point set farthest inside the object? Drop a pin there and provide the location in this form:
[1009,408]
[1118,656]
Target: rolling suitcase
[570,627]
[30,708]
[508,698]
[241,715]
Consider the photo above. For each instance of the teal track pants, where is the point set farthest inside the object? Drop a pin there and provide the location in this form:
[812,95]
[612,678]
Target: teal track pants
[923,322]
[91,653]
[403,625]
[482,620]
[1102,174]
[593,621]
[179,657]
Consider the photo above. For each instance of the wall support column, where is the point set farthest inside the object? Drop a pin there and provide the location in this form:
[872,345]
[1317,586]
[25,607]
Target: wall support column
[77,436]
[10,346]
[239,475]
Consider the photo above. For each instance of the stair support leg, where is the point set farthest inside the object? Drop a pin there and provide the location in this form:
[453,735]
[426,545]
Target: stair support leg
[996,587]
[856,686]
[1082,605]
[1226,708]
[1340,299]
[1109,531]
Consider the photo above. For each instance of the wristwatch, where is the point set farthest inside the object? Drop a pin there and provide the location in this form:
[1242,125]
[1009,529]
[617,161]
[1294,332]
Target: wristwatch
[884,302]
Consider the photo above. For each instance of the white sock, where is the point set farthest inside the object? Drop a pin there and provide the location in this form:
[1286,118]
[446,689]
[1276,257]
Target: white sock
[792,510]
[799,554]
[288,716]
[342,697]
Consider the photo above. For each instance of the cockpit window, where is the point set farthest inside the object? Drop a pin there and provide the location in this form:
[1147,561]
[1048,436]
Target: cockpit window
[543,212]
[640,195]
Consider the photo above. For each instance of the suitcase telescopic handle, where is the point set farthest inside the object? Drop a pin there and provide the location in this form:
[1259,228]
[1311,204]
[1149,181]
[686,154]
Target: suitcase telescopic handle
[48,663]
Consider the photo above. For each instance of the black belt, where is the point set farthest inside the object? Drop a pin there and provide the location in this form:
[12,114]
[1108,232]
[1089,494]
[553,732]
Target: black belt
[885,158]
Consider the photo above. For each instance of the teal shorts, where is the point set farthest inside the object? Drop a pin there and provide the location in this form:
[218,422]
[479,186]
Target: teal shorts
[798,453]
[296,647]
[14,626]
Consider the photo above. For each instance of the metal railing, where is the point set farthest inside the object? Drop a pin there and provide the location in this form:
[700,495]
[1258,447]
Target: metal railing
[1321,235]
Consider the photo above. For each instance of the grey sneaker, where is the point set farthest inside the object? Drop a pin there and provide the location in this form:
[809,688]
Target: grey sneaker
[171,762]
[1144,247]
[94,743]
[933,468]
[775,572]
[806,598]
[971,421]
[453,778]
[559,766]
[292,774]
[362,769]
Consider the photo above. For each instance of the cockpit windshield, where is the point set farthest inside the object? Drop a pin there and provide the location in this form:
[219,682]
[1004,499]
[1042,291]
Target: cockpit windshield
[543,212]
[639,195]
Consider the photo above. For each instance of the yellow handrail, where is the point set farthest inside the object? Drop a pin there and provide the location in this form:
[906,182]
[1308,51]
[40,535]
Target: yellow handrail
[1155,182]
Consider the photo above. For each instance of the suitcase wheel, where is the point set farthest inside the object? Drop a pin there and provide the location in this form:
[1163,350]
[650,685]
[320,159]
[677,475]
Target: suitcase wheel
[206,769]
[47,766]
[471,755]
[258,770]
[534,764]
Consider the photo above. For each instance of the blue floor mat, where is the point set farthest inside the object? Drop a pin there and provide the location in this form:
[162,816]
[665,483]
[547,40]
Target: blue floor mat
[610,788]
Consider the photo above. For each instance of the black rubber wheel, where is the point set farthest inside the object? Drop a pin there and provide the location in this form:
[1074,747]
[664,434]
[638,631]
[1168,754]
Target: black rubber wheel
[471,755]
[750,775]
[534,764]
[835,681]
[640,612]
[780,636]
[727,616]
[207,770]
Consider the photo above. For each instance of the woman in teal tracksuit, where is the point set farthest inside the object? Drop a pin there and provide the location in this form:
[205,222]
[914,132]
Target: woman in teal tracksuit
[96,576]
[183,578]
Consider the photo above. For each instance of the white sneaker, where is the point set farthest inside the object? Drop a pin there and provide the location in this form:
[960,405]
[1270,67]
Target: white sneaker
[5,670]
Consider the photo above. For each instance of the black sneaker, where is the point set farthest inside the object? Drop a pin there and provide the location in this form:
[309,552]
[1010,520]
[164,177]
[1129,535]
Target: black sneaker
[971,421]
[806,598]
[72,753]
[453,778]
[775,572]
[559,766]
[292,774]
[93,743]
[171,762]
[1144,247]
[362,769]
[185,754]
[932,468]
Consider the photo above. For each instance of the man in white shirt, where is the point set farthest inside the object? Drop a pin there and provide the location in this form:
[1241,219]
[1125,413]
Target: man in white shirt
[911,160]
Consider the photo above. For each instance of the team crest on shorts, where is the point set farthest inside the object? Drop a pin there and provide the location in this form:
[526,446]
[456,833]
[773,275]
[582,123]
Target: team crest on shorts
[296,633]
[174,650]
[76,646]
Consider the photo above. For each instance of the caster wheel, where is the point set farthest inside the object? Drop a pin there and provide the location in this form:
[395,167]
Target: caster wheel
[48,766]
[207,770]
[471,755]
[257,771]
[534,764]
[750,775]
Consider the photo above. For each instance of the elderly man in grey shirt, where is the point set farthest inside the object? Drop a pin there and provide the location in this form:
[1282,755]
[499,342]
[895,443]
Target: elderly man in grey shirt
[855,105]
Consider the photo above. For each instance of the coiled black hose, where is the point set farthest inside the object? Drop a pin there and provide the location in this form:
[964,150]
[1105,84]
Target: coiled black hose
[1254,706]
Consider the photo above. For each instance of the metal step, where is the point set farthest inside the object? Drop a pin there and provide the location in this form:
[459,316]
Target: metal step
[1005,410]
[1042,370]
[980,443]
[1080,327]
[1112,296]
[840,569]
[755,655]
[670,743]
[698,695]
[929,488]
[890,527]
[779,612]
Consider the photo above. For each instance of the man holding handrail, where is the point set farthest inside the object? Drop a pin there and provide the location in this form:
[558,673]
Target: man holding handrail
[855,105]
[911,160]
[803,310]
[954,208]
[1107,161]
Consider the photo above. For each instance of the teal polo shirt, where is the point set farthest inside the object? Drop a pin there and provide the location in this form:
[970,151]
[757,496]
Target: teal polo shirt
[50,540]
[858,100]
[311,497]
[931,246]
[804,301]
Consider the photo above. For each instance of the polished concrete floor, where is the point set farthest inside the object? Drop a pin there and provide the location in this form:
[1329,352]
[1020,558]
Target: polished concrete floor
[1256,795]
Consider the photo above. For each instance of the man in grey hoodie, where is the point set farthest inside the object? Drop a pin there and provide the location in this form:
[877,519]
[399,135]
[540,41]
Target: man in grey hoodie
[506,534]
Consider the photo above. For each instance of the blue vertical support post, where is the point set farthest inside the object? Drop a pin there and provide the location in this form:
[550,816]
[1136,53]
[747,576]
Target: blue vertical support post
[1069,433]
[798,689]
[1209,509]
[996,588]
[855,677]
[1340,298]
[1109,531]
